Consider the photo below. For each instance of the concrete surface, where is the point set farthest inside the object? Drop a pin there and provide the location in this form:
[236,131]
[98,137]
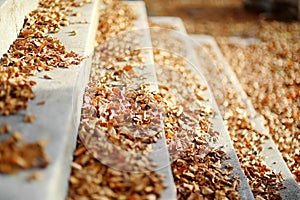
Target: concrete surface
[160,155]
[147,75]
[57,120]
[224,140]
[12,15]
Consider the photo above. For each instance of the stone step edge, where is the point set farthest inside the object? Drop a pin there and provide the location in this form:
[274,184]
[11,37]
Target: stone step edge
[244,191]
[160,155]
[12,14]
[57,120]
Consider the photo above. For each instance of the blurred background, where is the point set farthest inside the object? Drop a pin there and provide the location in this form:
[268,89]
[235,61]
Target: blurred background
[226,17]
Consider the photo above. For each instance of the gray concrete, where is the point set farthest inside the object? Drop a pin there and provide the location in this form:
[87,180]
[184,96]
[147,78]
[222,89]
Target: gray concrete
[12,15]
[57,120]
[196,65]
[160,155]
[272,156]
[84,41]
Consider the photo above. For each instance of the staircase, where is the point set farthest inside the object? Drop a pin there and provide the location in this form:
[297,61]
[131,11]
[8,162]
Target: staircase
[58,120]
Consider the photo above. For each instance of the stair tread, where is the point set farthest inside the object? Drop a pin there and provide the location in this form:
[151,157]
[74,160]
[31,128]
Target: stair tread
[57,120]
[224,139]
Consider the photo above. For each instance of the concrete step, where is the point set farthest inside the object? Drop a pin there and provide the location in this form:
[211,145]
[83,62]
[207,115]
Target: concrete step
[271,155]
[12,14]
[139,39]
[160,154]
[57,120]
[187,52]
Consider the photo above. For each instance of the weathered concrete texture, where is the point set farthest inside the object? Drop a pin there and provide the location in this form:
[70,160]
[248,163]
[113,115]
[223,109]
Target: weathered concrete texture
[197,66]
[272,156]
[57,120]
[12,15]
